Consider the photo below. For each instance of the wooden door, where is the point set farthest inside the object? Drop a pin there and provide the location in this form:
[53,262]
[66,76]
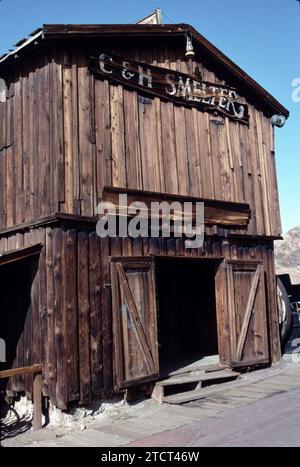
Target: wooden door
[242,313]
[134,321]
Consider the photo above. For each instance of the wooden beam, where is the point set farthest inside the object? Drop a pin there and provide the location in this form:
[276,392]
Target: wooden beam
[35,370]
[216,212]
[37,402]
[19,254]
[29,370]
[49,220]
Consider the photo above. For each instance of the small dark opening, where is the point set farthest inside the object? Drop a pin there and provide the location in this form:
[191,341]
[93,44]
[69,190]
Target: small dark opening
[186,311]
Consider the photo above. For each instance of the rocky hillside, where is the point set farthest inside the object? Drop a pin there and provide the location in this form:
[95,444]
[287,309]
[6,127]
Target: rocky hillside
[287,255]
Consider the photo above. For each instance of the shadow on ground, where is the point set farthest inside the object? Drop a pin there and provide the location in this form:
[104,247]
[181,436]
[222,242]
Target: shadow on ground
[11,424]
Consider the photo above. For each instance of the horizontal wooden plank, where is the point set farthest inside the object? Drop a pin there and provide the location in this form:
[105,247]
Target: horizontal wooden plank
[196,394]
[216,212]
[19,254]
[200,376]
[28,370]
[139,260]
[48,220]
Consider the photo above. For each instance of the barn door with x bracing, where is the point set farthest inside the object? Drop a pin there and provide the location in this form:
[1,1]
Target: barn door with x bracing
[134,321]
[242,310]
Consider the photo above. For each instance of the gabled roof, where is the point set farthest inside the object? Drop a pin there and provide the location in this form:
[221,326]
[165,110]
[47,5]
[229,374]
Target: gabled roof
[51,32]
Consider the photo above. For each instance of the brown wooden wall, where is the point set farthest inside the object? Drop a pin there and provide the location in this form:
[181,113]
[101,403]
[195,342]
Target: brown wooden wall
[64,135]
[68,333]
[69,329]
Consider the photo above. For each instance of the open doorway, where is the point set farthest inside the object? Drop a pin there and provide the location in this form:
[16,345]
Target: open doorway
[186,313]
[17,276]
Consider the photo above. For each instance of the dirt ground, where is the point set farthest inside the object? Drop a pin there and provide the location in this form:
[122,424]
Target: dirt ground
[261,408]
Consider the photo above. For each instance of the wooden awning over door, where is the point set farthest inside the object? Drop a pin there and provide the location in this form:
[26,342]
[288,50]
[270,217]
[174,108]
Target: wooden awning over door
[220,213]
[19,254]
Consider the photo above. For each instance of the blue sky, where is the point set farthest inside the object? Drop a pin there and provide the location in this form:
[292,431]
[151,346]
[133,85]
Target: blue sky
[262,36]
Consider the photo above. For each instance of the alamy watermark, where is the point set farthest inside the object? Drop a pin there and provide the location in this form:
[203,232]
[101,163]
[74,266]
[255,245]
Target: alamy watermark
[157,219]
[296,351]
[296,90]
[2,351]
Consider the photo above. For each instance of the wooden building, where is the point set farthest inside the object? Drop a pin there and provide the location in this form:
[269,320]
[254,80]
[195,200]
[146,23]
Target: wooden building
[89,111]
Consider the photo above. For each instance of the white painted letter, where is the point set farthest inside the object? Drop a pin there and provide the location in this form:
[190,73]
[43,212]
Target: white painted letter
[103,57]
[145,76]
[171,80]
[125,72]
[184,89]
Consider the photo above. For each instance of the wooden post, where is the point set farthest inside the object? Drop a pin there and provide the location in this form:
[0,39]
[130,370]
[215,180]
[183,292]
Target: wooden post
[37,402]
[36,370]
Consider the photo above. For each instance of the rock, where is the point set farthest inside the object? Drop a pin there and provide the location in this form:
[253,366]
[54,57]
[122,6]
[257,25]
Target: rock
[287,255]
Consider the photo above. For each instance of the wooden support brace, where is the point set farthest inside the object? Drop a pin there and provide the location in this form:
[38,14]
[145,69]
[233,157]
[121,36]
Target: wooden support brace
[37,402]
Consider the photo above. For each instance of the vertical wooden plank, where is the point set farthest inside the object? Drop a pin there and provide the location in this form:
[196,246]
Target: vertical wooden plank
[75,139]
[132,140]
[119,178]
[118,362]
[60,321]
[36,315]
[275,343]
[231,311]
[37,400]
[270,168]
[264,174]
[68,131]
[10,170]
[43,311]
[31,143]
[149,147]
[181,151]
[26,140]
[84,317]
[57,164]
[169,148]
[103,136]
[69,272]
[96,334]
[50,347]
[18,150]
[86,137]
[44,140]
[106,317]
[223,329]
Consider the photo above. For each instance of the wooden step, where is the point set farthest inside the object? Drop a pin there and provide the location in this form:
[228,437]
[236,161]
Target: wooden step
[196,378]
[192,369]
[196,394]
[200,365]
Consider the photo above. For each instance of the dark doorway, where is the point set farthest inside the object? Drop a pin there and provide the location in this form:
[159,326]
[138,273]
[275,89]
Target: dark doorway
[186,311]
[16,328]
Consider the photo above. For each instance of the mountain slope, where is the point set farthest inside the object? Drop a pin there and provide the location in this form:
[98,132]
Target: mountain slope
[287,255]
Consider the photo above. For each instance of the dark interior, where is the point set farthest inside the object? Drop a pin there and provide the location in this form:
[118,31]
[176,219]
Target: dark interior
[186,311]
[16,280]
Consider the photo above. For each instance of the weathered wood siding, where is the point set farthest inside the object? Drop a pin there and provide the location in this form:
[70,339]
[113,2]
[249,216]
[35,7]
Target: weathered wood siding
[65,135]
[70,314]
[65,316]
